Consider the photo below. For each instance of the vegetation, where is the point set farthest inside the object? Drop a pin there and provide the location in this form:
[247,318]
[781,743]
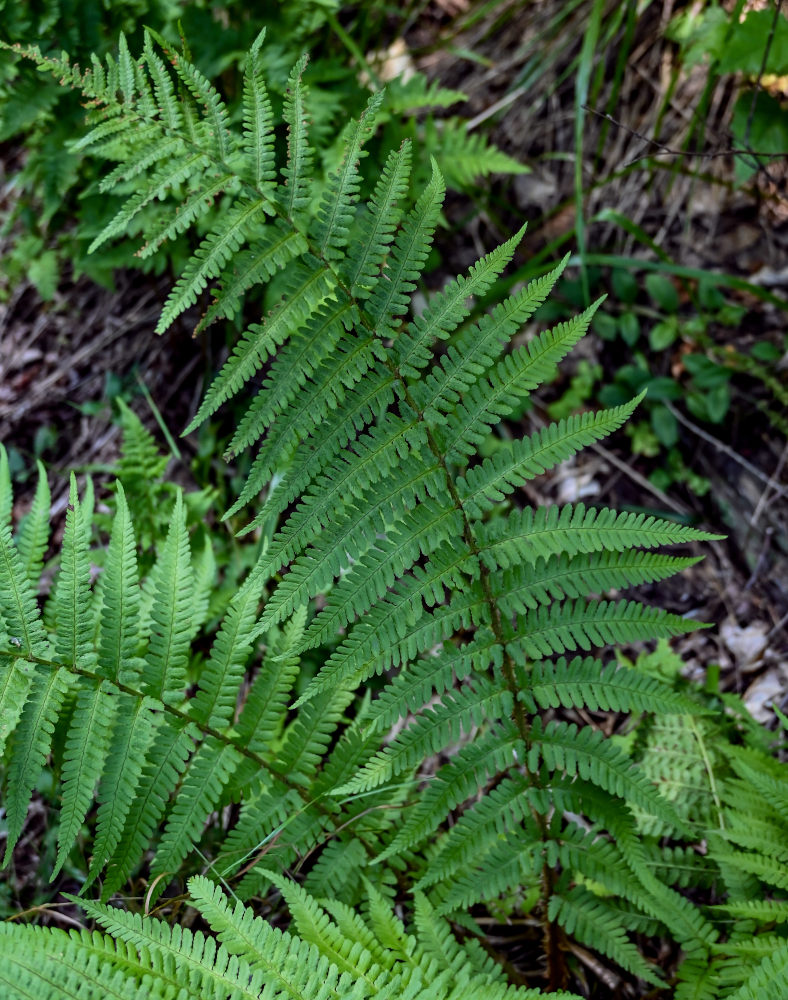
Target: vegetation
[383,716]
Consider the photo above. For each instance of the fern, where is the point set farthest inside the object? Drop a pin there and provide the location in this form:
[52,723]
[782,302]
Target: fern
[256,740]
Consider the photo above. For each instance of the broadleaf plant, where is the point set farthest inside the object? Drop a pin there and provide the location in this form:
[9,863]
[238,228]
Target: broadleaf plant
[454,625]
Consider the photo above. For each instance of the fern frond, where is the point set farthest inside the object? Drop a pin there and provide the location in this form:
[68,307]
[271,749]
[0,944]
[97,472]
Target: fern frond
[511,380]
[397,627]
[308,736]
[351,410]
[480,828]
[221,677]
[273,250]
[33,535]
[174,171]
[768,979]
[44,963]
[292,967]
[71,597]
[32,743]
[294,394]
[210,258]
[307,291]
[570,625]
[586,682]
[260,721]
[375,454]
[446,311]
[315,926]
[166,97]
[417,534]
[218,136]
[88,740]
[581,914]
[19,610]
[16,681]
[465,156]
[135,730]
[528,534]
[119,622]
[514,861]
[495,478]
[495,751]
[258,118]
[194,207]
[477,347]
[585,752]
[209,770]
[6,492]
[391,296]
[433,730]
[299,153]
[432,675]
[525,587]
[331,226]
[168,753]
[171,591]
[378,223]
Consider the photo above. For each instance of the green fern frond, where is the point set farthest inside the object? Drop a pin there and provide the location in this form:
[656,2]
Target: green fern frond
[525,587]
[211,257]
[32,744]
[158,776]
[495,478]
[528,534]
[207,774]
[20,613]
[390,298]
[581,914]
[433,729]
[468,770]
[331,226]
[33,535]
[299,152]
[509,382]
[477,347]
[258,140]
[89,737]
[119,623]
[588,682]
[378,224]
[370,422]
[768,979]
[71,595]
[570,625]
[465,156]
[585,752]
[170,591]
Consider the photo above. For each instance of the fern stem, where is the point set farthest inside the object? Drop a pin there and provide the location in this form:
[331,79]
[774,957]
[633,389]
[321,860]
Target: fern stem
[556,966]
[205,729]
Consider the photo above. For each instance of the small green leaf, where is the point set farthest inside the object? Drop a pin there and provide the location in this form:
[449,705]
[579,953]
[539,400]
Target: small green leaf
[765,350]
[663,292]
[624,286]
[663,334]
[665,426]
[629,328]
[604,325]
